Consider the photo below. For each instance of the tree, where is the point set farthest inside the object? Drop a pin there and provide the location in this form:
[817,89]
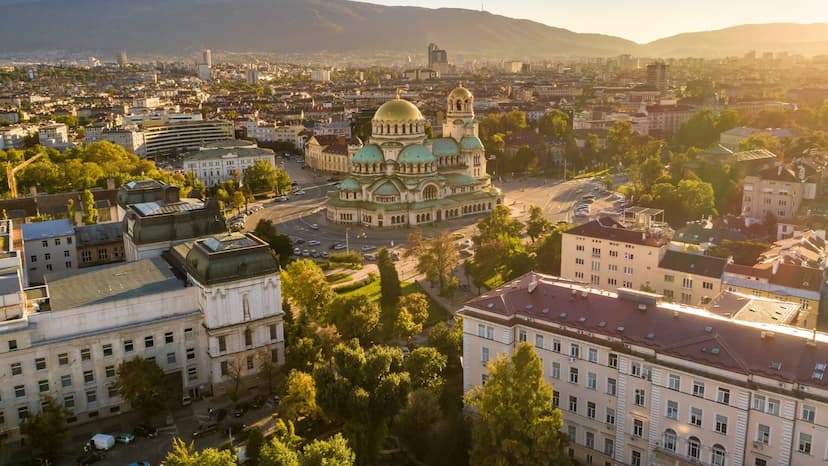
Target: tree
[333,451]
[280,244]
[548,251]
[389,279]
[651,170]
[355,316]
[142,383]
[516,423]
[620,140]
[47,429]
[425,367]
[525,159]
[537,223]
[498,222]
[412,424]
[183,454]
[554,124]
[303,282]
[303,354]
[268,368]
[436,257]
[447,338]
[255,441]
[90,213]
[238,200]
[235,374]
[762,141]
[263,177]
[700,130]
[299,399]
[364,388]
[412,314]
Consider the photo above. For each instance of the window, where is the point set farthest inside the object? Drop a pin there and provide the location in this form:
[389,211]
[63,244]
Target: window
[640,397]
[170,358]
[721,424]
[88,376]
[763,434]
[274,335]
[109,371]
[107,350]
[687,283]
[628,270]
[589,441]
[610,416]
[43,385]
[57,241]
[612,360]
[773,406]
[635,460]
[573,375]
[68,264]
[592,355]
[672,409]
[112,391]
[192,373]
[19,391]
[611,386]
[539,341]
[65,381]
[574,351]
[609,446]
[613,253]
[224,368]
[222,343]
[44,243]
[556,345]
[579,261]
[86,354]
[759,403]
[698,389]
[573,404]
[168,338]
[670,440]
[128,347]
[66,253]
[556,398]
[485,331]
[69,401]
[718,455]
[86,257]
[808,413]
[696,416]
[188,334]
[723,396]
[149,341]
[16,368]
[669,279]
[556,370]
[23,412]
[484,355]
[190,354]
[693,448]
[707,285]
[805,443]
[674,382]
[572,432]
[638,427]
[47,256]
[91,396]
[596,266]
[635,369]
[248,337]
[250,363]
[592,380]
[591,410]
[63,359]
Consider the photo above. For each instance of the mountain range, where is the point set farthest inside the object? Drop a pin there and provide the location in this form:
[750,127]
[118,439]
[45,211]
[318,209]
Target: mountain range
[180,27]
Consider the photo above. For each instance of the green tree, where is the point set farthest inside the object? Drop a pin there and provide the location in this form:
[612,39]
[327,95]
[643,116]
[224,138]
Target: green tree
[330,452]
[412,313]
[555,124]
[651,170]
[299,398]
[303,282]
[389,279]
[516,423]
[412,424]
[183,454]
[47,429]
[762,141]
[255,441]
[364,388]
[537,224]
[425,367]
[238,200]
[525,159]
[263,177]
[436,257]
[497,223]
[302,354]
[548,251]
[90,213]
[620,141]
[447,338]
[354,316]
[700,130]
[142,383]
[280,244]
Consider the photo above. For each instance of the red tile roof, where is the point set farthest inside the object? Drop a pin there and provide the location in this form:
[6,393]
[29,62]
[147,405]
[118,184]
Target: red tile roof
[566,307]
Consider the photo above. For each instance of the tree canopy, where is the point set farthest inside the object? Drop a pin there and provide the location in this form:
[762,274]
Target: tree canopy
[437,257]
[330,452]
[142,383]
[263,177]
[303,282]
[47,429]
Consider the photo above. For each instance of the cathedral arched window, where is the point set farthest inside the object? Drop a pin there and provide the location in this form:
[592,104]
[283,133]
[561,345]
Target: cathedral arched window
[248,337]
[245,308]
[459,106]
[429,193]
[396,129]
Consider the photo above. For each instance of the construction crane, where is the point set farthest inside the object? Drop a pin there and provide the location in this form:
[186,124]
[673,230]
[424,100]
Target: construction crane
[10,171]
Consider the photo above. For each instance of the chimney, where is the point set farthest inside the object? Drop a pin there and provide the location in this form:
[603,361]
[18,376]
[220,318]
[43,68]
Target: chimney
[776,265]
[533,284]
[110,183]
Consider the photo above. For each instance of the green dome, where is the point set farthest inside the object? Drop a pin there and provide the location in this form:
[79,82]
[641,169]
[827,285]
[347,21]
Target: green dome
[471,143]
[398,110]
[349,184]
[387,189]
[415,153]
[442,147]
[369,154]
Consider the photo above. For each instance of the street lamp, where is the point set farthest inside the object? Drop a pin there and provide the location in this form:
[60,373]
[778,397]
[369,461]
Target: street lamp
[347,246]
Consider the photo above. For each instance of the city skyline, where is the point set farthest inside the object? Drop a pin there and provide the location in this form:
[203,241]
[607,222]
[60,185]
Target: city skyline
[634,21]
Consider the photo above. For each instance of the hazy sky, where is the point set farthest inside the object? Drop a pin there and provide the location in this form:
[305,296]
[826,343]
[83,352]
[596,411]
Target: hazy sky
[642,20]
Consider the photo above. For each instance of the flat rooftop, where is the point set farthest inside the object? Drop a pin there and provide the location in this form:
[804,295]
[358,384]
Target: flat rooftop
[148,209]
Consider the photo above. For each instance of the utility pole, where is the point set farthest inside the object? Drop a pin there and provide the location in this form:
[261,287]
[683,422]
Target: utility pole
[347,246]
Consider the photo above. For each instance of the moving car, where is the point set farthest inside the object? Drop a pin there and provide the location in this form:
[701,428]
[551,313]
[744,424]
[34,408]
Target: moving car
[338,247]
[314,226]
[281,199]
[313,242]
[368,247]
[205,429]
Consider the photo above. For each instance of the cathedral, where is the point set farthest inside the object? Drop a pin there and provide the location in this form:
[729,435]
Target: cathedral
[401,177]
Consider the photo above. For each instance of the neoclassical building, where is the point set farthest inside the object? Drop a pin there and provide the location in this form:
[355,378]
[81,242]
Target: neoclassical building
[401,177]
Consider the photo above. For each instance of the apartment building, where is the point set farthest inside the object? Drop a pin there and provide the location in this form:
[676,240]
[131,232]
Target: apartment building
[331,153]
[691,279]
[53,135]
[643,382]
[209,308]
[608,255]
[780,280]
[48,247]
[130,139]
[291,134]
[216,165]
[167,135]
[777,190]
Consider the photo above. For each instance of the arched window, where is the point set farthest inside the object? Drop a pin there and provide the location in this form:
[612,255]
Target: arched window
[403,129]
[396,129]
[430,192]
[245,308]
[718,455]
[248,337]
[459,105]
[670,439]
[693,448]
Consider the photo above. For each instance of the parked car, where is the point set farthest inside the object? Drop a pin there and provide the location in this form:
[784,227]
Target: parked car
[306,253]
[314,226]
[143,430]
[140,463]
[313,242]
[314,253]
[125,438]
[102,441]
[338,247]
[258,402]
[90,457]
[205,429]
[405,351]
[368,247]
[298,241]
[297,252]
[370,257]
[239,410]
[281,199]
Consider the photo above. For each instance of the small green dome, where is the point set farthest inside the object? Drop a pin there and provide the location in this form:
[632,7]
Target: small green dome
[442,147]
[349,184]
[415,153]
[369,154]
[398,110]
[387,189]
[471,143]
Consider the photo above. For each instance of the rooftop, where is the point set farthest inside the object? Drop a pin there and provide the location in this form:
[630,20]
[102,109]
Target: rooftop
[101,233]
[695,264]
[50,229]
[146,209]
[609,229]
[753,309]
[227,152]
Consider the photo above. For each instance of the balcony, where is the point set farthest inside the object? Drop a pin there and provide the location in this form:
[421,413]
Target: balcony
[666,457]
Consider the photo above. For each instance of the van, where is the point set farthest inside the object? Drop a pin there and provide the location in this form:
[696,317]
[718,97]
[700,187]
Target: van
[102,441]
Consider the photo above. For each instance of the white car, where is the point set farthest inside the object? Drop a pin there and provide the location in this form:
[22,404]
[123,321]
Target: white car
[314,226]
[297,252]
[370,257]
[306,253]
[339,247]
[368,247]
[313,242]
[299,193]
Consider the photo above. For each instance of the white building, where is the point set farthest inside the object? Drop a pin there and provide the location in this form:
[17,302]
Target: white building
[167,135]
[130,139]
[321,75]
[48,247]
[642,382]
[53,135]
[213,166]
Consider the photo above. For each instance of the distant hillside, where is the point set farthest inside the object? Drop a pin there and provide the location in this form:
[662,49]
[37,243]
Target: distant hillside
[807,39]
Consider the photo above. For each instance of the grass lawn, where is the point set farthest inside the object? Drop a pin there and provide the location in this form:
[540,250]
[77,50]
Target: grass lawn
[437,313]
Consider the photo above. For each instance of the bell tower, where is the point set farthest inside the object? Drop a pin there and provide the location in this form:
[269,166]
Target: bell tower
[459,114]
